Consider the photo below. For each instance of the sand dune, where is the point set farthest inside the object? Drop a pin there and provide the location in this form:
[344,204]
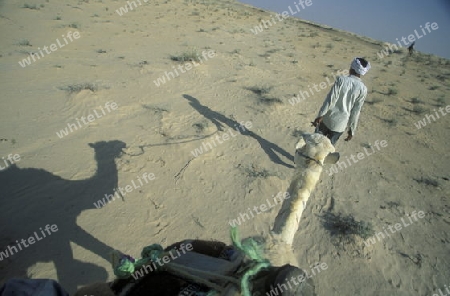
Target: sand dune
[250,79]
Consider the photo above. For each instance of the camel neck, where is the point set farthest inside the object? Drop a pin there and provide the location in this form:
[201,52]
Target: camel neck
[106,167]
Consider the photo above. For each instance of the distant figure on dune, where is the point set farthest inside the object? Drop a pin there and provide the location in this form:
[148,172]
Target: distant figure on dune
[343,103]
[411,48]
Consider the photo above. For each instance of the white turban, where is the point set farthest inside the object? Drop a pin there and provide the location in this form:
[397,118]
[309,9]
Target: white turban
[356,65]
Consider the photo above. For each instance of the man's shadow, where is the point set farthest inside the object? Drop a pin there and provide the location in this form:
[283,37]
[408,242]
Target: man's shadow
[32,198]
[219,119]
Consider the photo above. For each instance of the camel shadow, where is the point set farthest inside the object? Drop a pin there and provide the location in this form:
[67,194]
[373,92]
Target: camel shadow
[33,198]
[218,120]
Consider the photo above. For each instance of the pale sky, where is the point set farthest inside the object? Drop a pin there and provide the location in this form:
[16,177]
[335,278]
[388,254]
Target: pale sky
[383,20]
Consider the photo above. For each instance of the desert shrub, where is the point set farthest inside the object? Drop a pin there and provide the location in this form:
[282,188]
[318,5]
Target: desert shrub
[341,225]
[260,89]
[419,110]
[392,91]
[76,88]
[187,56]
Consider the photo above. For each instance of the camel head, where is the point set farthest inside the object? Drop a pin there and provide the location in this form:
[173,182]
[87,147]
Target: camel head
[316,147]
[108,149]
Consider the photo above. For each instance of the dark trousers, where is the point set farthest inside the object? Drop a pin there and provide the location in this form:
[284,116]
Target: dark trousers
[324,130]
[32,287]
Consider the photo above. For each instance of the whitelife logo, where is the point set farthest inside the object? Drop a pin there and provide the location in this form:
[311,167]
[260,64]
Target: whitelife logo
[53,48]
[165,259]
[323,85]
[397,226]
[11,250]
[263,207]
[265,24]
[224,136]
[442,294]
[12,160]
[280,288]
[423,122]
[90,118]
[111,197]
[342,165]
[411,38]
[124,9]
[187,66]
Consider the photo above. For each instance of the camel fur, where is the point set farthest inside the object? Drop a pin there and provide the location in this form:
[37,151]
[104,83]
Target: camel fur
[312,151]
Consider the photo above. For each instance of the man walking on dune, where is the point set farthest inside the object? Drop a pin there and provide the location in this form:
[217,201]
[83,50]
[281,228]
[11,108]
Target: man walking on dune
[343,103]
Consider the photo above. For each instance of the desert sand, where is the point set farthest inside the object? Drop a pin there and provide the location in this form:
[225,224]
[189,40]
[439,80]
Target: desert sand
[247,78]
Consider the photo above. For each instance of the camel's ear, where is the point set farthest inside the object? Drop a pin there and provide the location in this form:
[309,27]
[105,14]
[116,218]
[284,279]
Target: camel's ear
[300,143]
[91,145]
[332,158]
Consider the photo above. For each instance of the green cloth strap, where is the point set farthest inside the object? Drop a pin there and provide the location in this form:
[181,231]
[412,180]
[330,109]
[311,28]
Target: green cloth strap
[126,267]
[253,251]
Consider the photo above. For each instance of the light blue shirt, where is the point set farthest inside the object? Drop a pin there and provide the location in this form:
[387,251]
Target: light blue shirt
[343,104]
